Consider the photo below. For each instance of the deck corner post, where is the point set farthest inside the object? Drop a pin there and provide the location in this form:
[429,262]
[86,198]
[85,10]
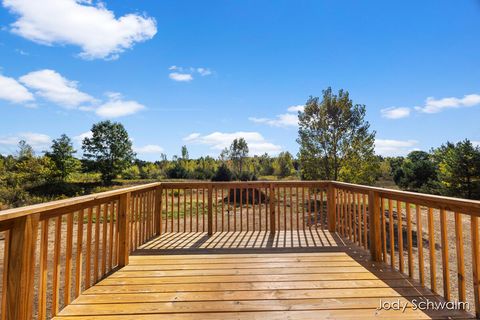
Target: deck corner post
[331,207]
[272,208]
[210,209]
[123,229]
[375,228]
[158,210]
[20,270]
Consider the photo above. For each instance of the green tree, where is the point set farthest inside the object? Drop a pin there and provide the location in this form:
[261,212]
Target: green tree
[185,153]
[417,172]
[284,164]
[61,154]
[24,150]
[238,152]
[132,172]
[459,169]
[335,139]
[110,148]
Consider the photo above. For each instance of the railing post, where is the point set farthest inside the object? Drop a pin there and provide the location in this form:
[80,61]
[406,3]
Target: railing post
[158,210]
[20,276]
[123,229]
[475,237]
[331,207]
[272,209]
[210,209]
[375,228]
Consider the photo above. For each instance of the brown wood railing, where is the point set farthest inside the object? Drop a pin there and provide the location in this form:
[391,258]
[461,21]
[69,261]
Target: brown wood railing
[54,251]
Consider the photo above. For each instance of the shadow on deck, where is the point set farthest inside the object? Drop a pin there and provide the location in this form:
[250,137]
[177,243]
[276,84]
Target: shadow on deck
[309,274]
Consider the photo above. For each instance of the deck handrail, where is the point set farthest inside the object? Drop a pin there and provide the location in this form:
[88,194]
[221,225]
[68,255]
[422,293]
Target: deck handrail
[129,217]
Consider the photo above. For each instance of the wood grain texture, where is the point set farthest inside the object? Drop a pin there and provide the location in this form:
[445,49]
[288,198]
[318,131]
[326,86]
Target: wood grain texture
[268,284]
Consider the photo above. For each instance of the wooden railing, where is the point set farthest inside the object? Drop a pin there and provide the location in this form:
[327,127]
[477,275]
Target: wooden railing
[54,251]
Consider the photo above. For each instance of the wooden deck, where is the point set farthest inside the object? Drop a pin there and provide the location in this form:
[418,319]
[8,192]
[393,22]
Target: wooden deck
[250,275]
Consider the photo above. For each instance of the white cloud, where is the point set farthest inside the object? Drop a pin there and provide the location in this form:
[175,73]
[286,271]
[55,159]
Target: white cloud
[185,74]
[389,147]
[219,140]
[476,143]
[433,105]
[117,107]
[395,113]
[182,77]
[204,71]
[52,86]
[79,139]
[38,141]
[282,120]
[12,91]
[289,119]
[149,148]
[296,108]
[93,28]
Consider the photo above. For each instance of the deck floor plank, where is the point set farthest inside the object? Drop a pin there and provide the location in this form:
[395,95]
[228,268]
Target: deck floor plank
[178,277]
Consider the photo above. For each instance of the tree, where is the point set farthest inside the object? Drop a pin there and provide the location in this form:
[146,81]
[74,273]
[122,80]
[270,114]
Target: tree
[184,153]
[62,156]
[459,169]
[24,150]
[284,164]
[222,173]
[110,148]
[334,136]
[238,152]
[417,172]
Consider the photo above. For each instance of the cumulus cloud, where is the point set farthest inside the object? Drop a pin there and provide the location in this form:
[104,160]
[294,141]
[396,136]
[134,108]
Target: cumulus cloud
[289,119]
[390,147]
[217,141]
[149,148]
[52,86]
[92,27]
[13,91]
[395,113]
[181,77]
[79,139]
[116,107]
[298,108]
[38,141]
[185,74]
[433,105]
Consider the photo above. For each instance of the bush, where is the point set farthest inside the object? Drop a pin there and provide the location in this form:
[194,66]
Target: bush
[223,174]
[132,172]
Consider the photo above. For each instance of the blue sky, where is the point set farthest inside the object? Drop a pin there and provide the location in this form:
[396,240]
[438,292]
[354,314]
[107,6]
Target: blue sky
[202,73]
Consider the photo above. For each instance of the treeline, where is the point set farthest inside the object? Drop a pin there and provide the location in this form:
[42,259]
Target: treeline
[452,169]
[108,159]
[335,143]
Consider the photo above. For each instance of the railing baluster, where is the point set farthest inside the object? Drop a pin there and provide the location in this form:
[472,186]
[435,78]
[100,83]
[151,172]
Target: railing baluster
[460,257]
[111,236]
[88,253]
[78,258]
[445,263]
[409,239]
[104,239]
[42,284]
[392,234]
[97,244]
[6,256]
[68,260]
[365,222]
[384,228]
[431,246]
[400,236]
[421,267]
[475,238]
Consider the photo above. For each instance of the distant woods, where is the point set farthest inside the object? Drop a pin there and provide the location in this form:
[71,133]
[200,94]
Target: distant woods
[335,143]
